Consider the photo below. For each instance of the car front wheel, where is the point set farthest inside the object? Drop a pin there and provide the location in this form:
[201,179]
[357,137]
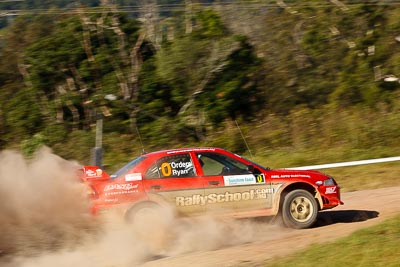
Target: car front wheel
[299,209]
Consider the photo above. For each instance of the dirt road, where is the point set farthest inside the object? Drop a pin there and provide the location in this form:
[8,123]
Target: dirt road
[361,209]
[196,241]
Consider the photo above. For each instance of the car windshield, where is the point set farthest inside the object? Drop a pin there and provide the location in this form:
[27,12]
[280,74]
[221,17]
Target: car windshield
[127,167]
[256,164]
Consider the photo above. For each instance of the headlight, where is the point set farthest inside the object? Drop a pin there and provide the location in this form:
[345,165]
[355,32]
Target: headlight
[329,182]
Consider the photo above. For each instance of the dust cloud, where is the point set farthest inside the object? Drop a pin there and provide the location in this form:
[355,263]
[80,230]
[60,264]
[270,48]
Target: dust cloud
[42,203]
[45,221]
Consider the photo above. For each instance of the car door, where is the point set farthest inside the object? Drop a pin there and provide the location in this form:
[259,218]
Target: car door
[173,179]
[230,187]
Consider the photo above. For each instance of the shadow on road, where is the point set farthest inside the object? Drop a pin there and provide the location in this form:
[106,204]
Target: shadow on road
[344,216]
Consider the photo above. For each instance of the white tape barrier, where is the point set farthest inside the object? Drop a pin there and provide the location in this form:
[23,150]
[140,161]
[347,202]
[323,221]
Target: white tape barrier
[345,164]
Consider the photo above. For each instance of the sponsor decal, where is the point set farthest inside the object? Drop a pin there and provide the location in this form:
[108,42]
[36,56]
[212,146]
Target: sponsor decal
[290,176]
[243,179]
[133,177]
[176,168]
[92,174]
[330,190]
[260,178]
[214,198]
[119,189]
[111,200]
[114,193]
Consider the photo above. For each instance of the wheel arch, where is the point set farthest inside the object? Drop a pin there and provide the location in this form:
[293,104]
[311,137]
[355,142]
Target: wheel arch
[300,185]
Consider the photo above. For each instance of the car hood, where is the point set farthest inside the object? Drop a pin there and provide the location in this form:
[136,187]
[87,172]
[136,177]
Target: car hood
[296,174]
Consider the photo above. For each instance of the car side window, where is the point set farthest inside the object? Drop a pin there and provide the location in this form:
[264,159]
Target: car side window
[153,172]
[180,166]
[217,164]
[209,165]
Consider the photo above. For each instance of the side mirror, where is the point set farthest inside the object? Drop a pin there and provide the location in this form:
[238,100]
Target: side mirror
[225,171]
[250,168]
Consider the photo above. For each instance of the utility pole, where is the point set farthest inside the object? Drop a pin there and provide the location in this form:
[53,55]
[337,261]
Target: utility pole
[100,113]
[97,151]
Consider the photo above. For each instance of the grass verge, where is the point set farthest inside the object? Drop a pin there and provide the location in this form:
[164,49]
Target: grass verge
[374,246]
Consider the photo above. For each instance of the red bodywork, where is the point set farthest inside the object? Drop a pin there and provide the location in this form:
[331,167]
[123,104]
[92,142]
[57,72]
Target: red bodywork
[198,180]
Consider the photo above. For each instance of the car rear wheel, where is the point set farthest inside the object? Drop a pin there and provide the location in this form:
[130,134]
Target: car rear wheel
[151,223]
[148,214]
[299,209]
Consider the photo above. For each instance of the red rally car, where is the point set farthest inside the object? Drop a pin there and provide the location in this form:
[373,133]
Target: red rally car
[195,181]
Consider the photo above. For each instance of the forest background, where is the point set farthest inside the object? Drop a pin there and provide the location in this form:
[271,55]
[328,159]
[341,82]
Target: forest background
[291,82]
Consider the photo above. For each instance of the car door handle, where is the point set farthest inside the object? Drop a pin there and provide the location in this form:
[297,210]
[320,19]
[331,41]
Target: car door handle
[156,187]
[213,182]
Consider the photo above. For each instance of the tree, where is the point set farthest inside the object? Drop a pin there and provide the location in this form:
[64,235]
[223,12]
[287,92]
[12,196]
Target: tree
[234,93]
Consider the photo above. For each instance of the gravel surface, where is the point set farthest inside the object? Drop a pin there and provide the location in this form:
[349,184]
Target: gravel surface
[361,209]
[203,241]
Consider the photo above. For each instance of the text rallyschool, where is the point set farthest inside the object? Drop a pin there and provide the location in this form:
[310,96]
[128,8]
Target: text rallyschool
[225,197]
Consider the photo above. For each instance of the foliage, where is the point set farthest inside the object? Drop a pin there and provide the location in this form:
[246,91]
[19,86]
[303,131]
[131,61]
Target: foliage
[44,4]
[235,92]
[30,146]
[296,80]
[52,56]
[219,65]
[22,115]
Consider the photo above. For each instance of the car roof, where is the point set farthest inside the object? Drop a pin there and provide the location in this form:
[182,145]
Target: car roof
[183,150]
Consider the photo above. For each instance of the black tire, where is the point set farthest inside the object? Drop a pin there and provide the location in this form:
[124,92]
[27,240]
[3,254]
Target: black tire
[299,209]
